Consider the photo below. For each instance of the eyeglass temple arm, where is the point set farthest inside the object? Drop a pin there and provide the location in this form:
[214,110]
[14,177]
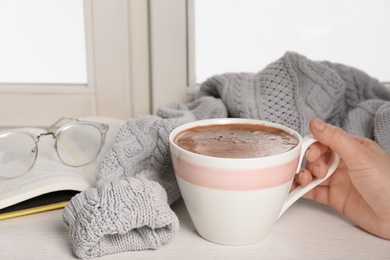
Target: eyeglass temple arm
[53,125]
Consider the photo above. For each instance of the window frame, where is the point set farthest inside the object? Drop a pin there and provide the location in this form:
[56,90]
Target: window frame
[109,89]
[157,39]
[176,82]
[171,54]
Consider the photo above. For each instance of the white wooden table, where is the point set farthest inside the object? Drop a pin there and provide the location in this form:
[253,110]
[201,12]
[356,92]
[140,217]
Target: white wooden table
[306,231]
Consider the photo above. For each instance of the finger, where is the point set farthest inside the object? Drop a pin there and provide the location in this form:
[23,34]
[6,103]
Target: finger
[315,151]
[304,177]
[319,167]
[345,145]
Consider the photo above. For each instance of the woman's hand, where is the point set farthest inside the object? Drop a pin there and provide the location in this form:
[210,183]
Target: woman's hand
[360,186]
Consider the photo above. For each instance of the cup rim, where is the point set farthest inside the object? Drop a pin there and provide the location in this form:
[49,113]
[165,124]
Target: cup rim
[217,121]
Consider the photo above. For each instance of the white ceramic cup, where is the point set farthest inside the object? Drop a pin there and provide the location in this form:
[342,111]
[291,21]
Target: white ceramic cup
[237,201]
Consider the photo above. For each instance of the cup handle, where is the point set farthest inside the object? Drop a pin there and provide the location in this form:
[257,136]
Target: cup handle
[302,190]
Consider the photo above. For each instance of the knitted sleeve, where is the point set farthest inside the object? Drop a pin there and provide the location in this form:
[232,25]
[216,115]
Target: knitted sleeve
[120,215]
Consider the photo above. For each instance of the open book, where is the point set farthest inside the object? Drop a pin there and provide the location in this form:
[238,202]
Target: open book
[50,184]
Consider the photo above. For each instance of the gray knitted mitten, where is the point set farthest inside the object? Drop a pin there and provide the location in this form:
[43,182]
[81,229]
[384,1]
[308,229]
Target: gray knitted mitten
[129,208]
[124,214]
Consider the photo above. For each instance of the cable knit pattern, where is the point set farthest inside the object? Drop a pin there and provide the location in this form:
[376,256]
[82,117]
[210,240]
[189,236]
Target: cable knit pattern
[129,209]
[290,91]
[382,126]
[124,214]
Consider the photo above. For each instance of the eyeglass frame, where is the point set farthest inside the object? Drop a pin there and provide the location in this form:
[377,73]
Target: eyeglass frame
[103,129]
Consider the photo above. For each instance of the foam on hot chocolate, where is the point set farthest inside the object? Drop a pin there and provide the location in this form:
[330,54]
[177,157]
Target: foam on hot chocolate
[237,140]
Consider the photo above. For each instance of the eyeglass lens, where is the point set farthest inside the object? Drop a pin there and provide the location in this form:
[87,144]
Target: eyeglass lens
[78,144]
[17,154]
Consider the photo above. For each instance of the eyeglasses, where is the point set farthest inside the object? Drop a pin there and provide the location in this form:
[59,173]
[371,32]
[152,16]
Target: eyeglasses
[77,144]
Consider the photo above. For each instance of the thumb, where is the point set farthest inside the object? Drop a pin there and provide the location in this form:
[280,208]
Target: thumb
[345,145]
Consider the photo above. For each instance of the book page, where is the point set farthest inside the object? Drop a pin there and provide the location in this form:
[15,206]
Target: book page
[49,174]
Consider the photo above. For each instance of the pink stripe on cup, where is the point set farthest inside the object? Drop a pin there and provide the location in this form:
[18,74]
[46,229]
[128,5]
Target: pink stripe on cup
[252,179]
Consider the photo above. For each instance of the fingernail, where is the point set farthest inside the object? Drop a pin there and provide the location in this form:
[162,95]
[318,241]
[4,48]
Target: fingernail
[318,124]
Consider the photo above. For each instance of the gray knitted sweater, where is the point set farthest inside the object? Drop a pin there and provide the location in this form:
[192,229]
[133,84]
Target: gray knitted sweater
[129,208]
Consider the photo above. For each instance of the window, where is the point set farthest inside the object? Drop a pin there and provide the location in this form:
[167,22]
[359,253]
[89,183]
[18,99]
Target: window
[192,40]
[245,36]
[113,50]
[42,41]
[142,54]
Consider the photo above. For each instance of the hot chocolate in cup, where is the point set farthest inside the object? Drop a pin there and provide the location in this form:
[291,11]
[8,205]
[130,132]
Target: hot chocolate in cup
[235,175]
[236,140]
